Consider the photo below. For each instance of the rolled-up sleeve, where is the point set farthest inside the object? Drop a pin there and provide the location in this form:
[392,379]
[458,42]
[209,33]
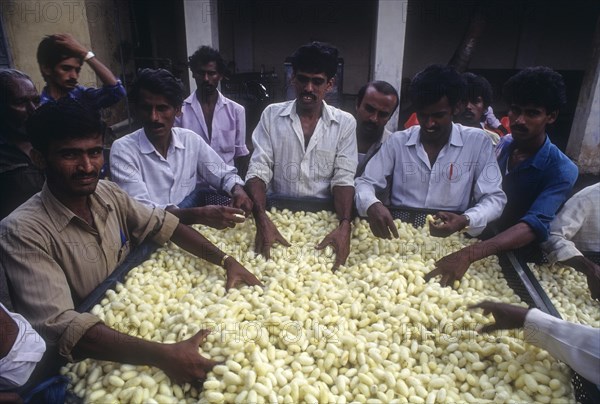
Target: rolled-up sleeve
[240,133]
[563,228]
[545,206]
[105,96]
[487,191]
[214,170]
[346,155]
[374,178]
[261,162]
[46,302]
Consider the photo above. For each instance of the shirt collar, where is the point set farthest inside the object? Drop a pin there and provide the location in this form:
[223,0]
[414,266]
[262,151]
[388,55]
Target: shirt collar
[193,99]
[455,136]
[146,147]
[61,216]
[326,113]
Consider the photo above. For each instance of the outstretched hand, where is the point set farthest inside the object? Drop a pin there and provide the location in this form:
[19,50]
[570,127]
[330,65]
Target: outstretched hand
[452,267]
[266,235]
[237,274]
[507,316]
[339,239]
[381,221]
[184,364]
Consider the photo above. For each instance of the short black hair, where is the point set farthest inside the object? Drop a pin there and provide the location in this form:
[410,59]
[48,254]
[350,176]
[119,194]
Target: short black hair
[204,55]
[381,86]
[61,120]
[316,57]
[8,77]
[159,82]
[50,53]
[434,82]
[478,86]
[538,85]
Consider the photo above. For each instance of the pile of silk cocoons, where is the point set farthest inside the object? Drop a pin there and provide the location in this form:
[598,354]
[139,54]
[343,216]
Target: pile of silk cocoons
[569,292]
[372,331]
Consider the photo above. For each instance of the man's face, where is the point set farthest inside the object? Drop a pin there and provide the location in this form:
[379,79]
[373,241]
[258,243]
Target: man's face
[156,114]
[529,121]
[471,116]
[207,77]
[436,120]
[374,112]
[23,99]
[72,166]
[311,89]
[65,74]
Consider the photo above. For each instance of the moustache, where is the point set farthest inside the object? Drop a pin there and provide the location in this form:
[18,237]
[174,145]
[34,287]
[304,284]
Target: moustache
[518,128]
[85,176]
[72,82]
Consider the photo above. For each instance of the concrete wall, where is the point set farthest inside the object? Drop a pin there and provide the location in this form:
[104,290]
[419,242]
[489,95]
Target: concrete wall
[584,141]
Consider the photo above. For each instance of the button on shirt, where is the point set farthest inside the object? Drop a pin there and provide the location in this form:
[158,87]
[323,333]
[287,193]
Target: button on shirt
[53,259]
[95,98]
[536,188]
[465,176]
[155,181]
[228,126]
[576,228]
[281,160]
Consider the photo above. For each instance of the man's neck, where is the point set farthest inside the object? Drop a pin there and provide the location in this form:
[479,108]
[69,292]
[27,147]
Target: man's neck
[162,144]
[364,142]
[56,92]
[206,97]
[309,113]
[80,205]
[531,146]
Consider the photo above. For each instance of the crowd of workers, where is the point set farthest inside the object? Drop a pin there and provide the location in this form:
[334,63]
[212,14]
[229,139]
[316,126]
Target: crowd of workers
[63,230]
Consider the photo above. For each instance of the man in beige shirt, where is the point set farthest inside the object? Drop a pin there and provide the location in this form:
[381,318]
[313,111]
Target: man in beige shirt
[60,244]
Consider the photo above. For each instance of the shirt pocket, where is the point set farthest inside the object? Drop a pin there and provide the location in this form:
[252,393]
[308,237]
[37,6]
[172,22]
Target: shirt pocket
[123,252]
[323,165]
[226,146]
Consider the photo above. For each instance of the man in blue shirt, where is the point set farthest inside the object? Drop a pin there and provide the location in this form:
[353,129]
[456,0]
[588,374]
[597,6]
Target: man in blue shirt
[60,58]
[537,176]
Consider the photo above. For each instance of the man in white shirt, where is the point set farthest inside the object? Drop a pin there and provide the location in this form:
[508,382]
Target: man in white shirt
[160,165]
[575,344]
[221,122]
[305,148]
[576,229]
[436,165]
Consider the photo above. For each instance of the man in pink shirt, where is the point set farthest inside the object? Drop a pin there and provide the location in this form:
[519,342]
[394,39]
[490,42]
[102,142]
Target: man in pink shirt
[220,121]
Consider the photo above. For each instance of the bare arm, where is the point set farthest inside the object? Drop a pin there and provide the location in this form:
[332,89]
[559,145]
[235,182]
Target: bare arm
[266,232]
[195,243]
[180,361]
[339,238]
[452,267]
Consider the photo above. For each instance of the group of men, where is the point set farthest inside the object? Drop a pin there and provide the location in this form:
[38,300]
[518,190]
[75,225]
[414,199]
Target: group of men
[68,230]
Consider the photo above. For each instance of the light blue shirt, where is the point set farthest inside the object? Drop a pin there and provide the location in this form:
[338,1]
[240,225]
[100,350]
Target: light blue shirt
[465,176]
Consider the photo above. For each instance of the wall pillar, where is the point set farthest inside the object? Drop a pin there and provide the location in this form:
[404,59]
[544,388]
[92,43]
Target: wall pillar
[389,46]
[201,27]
